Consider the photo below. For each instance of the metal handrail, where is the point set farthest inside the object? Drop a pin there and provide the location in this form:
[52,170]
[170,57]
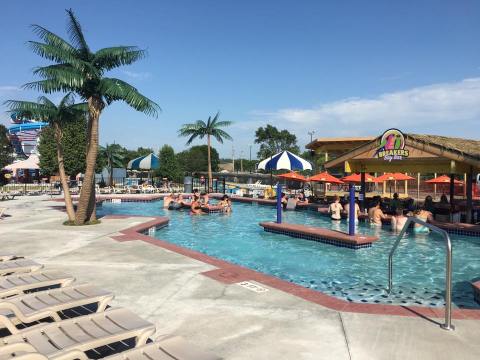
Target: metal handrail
[448,271]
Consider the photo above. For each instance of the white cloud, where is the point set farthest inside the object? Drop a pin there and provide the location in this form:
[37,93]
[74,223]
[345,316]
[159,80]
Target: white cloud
[137,75]
[437,108]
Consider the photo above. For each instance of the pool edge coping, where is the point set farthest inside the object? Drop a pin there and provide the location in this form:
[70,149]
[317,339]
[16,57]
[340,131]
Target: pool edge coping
[229,273]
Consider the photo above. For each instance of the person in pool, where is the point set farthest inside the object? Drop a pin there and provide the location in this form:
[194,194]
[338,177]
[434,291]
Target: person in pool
[398,220]
[346,208]
[376,215]
[395,203]
[226,204]
[335,209]
[204,198]
[428,204]
[425,216]
[284,200]
[196,208]
[167,200]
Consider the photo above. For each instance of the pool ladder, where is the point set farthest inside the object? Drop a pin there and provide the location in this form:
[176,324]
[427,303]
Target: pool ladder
[448,271]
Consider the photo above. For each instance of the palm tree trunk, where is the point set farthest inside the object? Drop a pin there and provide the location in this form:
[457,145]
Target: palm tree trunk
[209,164]
[110,175]
[63,176]
[86,203]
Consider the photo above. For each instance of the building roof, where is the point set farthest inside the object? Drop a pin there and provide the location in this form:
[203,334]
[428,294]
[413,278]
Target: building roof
[466,147]
[342,141]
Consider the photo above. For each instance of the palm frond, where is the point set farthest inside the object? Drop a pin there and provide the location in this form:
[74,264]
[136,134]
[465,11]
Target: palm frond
[113,57]
[220,135]
[47,86]
[53,39]
[46,101]
[70,78]
[75,32]
[55,53]
[115,89]
[31,109]
[67,101]
[223,124]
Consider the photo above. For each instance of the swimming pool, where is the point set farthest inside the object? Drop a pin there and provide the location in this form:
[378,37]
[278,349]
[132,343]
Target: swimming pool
[352,275]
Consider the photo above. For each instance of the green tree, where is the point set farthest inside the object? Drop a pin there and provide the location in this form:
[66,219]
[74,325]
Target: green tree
[113,156]
[56,116]
[168,163]
[6,149]
[195,159]
[273,141]
[78,69]
[200,129]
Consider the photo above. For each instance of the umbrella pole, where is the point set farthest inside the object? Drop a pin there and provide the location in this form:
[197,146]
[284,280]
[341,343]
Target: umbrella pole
[279,203]
[351,211]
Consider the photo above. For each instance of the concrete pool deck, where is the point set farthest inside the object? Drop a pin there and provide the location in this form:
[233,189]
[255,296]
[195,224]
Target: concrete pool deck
[228,319]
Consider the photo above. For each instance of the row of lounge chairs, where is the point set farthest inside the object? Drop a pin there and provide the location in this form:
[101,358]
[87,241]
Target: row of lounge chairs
[45,314]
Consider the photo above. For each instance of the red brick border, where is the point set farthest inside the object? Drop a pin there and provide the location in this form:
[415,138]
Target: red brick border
[229,273]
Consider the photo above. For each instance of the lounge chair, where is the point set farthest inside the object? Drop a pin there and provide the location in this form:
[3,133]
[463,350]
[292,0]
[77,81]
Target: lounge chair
[28,308]
[19,283]
[2,212]
[18,266]
[69,339]
[6,257]
[172,348]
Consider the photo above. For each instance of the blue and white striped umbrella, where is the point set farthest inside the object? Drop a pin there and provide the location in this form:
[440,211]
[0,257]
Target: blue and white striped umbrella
[285,160]
[147,162]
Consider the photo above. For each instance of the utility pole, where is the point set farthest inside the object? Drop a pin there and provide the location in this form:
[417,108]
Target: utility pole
[312,152]
[241,161]
[250,164]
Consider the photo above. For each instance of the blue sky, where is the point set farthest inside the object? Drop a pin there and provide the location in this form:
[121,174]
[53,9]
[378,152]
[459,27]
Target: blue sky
[341,68]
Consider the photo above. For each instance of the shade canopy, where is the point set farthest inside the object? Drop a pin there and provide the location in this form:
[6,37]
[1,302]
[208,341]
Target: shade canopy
[293,176]
[392,177]
[356,178]
[444,179]
[147,162]
[326,178]
[31,164]
[284,160]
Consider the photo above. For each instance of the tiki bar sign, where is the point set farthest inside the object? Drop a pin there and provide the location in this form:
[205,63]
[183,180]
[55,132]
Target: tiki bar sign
[391,146]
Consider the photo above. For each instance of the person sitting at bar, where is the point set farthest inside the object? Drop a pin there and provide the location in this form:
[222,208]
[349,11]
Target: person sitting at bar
[284,200]
[395,203]
[301,198]
[376,215]
[346,209]
[428,204]
[444,200]
[398,220]
[335,209]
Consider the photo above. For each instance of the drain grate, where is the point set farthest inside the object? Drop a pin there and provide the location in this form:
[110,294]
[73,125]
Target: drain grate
[252,287]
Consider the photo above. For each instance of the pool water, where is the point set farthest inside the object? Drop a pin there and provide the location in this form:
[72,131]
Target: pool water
[353,275]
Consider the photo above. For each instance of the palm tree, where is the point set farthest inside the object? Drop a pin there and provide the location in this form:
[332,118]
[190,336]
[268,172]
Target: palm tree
[56,116]
[78,69]
[114,155]
[201,129]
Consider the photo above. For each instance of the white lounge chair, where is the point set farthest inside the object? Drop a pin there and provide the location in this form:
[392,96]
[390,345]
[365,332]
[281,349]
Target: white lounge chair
[19,283]
[70,339]
[171,348]
[28,308]
[18,266]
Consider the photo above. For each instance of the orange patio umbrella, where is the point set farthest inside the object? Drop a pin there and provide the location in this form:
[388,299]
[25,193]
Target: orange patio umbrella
[326,178]
[356,178]
[392,177]
[444,179]
[293,176]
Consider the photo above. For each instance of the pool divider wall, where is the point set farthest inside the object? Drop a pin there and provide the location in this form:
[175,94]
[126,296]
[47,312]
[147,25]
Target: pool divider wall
[326,236]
